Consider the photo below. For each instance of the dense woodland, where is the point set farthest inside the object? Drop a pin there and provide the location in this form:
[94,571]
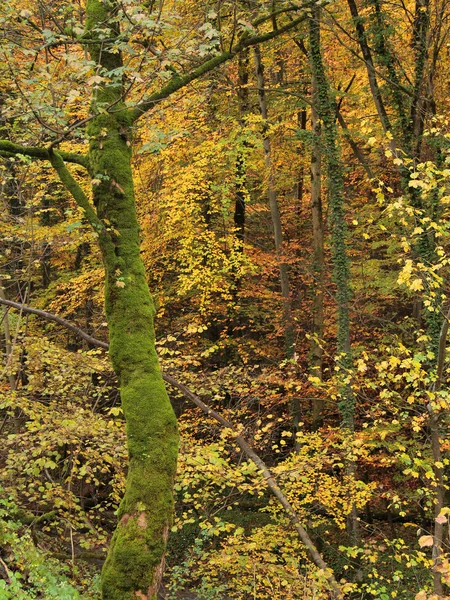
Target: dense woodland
[256,195]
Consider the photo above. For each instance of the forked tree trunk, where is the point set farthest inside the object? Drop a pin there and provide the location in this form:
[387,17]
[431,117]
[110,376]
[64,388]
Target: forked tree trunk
[135,562]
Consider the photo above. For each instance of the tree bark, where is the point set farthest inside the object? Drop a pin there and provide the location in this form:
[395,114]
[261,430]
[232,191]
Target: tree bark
[341,268]
[241,166]
[275,211]
[135,561]
[438,470]
[317,256]
[371,72]
[8,345]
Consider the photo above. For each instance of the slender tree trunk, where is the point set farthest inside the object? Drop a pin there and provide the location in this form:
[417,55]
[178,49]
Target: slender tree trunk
[357,152]
[135,562]
[275,211]
[341,268]
[385,58]
[438,469]
[439,500]
[418,102]
[8,345]
[317,256]
[300,185]
[241,162]
[368,59]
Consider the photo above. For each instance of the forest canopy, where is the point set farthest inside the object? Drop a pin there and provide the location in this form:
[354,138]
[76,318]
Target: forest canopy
[224,302]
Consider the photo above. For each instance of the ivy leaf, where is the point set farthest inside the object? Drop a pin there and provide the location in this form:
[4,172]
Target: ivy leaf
[71,226]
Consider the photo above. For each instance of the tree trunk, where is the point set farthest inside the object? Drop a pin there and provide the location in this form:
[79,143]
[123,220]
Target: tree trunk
[8,345]
[135,562]
[371,72]
[341,268]
[275,211]
[318,259]
[241,159]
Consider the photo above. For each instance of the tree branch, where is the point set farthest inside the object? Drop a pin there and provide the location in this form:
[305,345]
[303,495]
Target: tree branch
[56,159]
[241,442]
[51,317]
[359,155]
[180,81]
[79,196]
[8,149]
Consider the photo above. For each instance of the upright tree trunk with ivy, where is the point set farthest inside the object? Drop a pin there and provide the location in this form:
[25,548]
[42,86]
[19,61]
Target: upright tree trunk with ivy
[341,268]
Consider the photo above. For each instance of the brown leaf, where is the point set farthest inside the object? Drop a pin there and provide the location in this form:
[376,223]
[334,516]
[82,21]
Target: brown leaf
[118,186]
[425,540]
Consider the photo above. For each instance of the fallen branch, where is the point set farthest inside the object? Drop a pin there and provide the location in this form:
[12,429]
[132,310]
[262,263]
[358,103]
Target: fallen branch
[51,317]
[241,442]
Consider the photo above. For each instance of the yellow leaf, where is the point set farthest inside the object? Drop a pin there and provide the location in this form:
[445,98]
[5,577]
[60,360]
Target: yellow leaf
[416,284]
[362,367]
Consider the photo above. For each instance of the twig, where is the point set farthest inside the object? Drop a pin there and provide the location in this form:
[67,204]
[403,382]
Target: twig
[6,570]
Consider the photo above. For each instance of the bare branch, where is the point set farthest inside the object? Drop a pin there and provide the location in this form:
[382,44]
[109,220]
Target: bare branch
[51,317]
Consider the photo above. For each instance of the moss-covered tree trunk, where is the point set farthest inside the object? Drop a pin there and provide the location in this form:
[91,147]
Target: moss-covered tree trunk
[134,565]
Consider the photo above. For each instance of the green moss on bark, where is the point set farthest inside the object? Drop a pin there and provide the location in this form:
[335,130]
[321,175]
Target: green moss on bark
[134,563]
[133,568]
